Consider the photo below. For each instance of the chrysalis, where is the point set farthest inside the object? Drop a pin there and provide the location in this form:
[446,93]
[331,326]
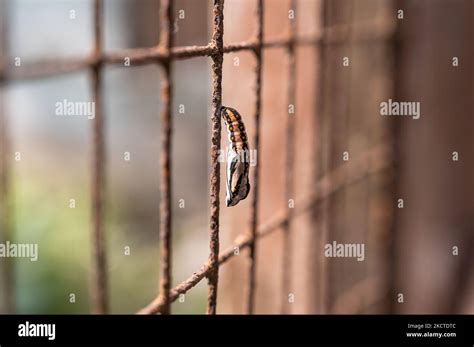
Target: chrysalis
[238,185]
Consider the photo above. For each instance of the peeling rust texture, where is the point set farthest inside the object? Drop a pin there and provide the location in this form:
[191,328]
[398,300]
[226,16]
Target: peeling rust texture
[217,59]
[289,164]
[250,304]
[166,19]
[99,285]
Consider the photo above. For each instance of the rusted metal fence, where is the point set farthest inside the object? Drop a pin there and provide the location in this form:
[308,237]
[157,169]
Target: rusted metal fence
[164,54]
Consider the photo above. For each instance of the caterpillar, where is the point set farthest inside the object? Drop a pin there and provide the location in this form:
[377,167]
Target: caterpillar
[238,185]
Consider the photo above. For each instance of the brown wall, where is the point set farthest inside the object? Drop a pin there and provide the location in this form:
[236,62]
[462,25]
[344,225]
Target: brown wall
[438,192]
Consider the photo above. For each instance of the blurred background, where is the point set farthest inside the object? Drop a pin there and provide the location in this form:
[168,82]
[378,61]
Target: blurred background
[409,250]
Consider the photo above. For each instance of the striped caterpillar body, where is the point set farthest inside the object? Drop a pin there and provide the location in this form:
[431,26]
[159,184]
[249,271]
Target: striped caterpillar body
[238,185]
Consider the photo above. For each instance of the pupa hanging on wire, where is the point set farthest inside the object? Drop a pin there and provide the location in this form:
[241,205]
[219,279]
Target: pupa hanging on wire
[238,185]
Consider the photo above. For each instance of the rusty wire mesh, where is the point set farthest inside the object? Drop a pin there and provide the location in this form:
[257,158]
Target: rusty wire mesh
[373,161]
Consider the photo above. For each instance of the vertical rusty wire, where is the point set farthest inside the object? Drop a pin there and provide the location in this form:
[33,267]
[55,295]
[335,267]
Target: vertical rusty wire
[217,59]
[99,288]
[289,164]
[166,35]
[315,245]
[345,142]
[255,177]
[6,227]
[327,123]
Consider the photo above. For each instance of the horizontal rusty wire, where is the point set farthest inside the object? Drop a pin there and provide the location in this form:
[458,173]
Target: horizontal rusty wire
[368,31]
[373,161]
